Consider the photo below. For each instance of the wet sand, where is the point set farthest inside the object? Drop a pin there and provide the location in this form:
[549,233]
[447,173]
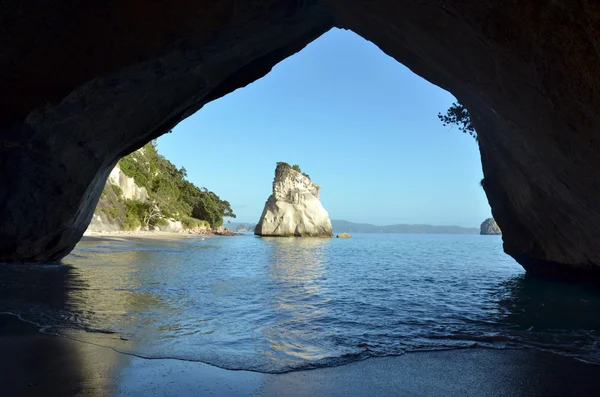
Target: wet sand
[36,364]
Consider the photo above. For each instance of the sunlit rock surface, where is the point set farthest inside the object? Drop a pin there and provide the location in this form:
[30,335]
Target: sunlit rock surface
[129,189]
[294,208]
[489,226]
[110,203]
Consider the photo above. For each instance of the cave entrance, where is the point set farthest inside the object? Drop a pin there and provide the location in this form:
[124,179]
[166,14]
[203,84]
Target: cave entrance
[361,124]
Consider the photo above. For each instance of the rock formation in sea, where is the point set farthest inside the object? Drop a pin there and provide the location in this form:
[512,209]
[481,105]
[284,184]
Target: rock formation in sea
[489,226]
[294,207]
[88,86]
[245,227]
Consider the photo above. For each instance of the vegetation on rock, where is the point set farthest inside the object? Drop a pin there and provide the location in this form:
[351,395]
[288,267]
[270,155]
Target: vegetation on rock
[295,167]
[457,114]
[171,196]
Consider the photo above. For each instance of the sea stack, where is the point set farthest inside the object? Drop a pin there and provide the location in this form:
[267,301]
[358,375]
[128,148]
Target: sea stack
[294,208]
[489,226]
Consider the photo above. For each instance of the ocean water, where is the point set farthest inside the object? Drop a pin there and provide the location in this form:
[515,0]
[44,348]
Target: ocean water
[282,304]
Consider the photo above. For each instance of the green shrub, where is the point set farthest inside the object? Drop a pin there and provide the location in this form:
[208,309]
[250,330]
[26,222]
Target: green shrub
[131,222]
[134,214]
[117,189]
[295,167]
[193,223]
[112,212]
[168,191]
[161,222]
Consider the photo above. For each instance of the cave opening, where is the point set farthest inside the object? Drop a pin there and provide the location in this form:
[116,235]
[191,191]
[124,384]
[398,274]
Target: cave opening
[91,83]
[361,124]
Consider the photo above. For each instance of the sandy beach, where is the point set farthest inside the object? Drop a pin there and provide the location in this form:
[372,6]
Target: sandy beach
[152,235]
[93,236]
[37,364]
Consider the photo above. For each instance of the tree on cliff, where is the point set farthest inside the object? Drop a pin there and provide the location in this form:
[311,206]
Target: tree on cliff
[458,115]
[205,204]
[295,167]
[171,195]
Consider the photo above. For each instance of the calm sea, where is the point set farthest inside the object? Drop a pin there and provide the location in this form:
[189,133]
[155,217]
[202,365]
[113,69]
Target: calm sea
[280,304]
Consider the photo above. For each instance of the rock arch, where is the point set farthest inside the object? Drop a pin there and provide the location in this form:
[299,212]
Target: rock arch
[84,84]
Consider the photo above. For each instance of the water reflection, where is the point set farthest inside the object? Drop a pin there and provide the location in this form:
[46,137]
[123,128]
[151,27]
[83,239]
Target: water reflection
[299,300]
[275,304]
[35,363]
[554,315]
[545,304]
[109,292]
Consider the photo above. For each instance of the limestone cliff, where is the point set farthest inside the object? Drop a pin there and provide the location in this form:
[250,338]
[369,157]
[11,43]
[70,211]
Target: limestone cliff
[110,211]
[294,208]
[489,226]
[129,189]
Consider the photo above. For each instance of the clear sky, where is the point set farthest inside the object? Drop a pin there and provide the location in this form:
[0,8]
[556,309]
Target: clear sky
[361,124]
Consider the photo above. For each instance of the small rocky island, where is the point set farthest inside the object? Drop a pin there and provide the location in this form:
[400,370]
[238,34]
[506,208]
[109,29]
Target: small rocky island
[489,227]
[294,208]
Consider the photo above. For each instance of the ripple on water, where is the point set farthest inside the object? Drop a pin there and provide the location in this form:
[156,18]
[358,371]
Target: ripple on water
[275,305]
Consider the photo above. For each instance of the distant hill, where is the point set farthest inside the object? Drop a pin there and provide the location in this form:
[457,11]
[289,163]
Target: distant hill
[351,227]
[240,227]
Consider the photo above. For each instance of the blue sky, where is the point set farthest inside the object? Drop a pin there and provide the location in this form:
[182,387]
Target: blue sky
[361,124]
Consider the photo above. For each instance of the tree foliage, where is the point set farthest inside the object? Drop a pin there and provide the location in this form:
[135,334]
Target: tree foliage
[295,167]
[458,115]
[171,195]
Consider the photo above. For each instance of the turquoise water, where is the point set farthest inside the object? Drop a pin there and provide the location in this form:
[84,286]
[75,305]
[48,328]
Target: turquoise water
[274,305]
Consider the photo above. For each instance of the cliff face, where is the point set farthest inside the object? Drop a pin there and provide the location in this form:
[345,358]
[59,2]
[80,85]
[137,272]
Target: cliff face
[129,189]
[489,226]
[110,211]
[294,208]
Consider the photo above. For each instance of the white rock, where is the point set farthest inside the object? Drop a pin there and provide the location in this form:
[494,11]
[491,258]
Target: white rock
[294,208]
[171,226]
[131,191]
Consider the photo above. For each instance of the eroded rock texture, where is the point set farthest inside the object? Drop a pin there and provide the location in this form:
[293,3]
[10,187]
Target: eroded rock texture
[294,209]
[84,83]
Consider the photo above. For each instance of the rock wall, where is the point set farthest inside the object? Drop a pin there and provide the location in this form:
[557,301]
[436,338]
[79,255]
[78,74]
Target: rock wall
[110,212]
[90,82]
[130,190]
[294,208]
[103,222]
[171,226]
[489,226]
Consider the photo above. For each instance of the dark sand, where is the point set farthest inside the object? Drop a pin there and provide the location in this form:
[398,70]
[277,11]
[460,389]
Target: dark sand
[35,364]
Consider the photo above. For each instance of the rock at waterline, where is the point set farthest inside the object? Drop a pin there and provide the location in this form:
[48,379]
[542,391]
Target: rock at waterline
[489,227]
[344,235]
[294,208]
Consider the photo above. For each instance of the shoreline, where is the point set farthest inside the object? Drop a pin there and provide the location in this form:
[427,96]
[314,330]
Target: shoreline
[36,364]
[156,234]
